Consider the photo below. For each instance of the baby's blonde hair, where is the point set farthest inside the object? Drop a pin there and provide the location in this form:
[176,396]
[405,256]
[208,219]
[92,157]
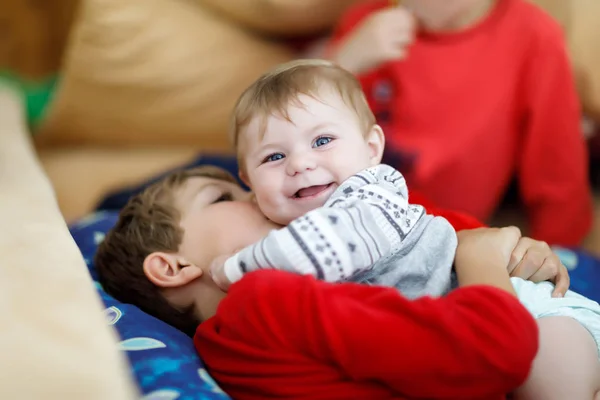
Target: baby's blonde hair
[273,93]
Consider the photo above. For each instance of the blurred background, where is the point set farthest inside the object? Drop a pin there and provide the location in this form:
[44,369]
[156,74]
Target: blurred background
[118,92]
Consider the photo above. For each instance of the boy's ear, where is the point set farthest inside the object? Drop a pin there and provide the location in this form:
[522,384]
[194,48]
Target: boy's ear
[169,270]
[376,141]
[244,177]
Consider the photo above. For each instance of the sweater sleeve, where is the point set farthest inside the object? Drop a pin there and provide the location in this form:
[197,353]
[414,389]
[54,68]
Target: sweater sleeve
[365,220]
[553,173]
[475,343]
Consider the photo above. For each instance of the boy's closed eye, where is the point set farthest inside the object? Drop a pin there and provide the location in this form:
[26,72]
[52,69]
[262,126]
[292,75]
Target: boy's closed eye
[227,196]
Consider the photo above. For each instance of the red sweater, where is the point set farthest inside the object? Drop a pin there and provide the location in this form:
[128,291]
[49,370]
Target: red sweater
[289,336]
[280,335]
[467,111]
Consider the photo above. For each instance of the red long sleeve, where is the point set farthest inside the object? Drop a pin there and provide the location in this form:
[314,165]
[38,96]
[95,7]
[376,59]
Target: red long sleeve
[466,112]
[553,169]
[290,336]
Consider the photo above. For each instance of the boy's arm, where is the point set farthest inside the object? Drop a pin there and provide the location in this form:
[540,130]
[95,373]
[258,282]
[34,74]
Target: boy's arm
[553,172]
[366,219]
[351,19]
[476,342]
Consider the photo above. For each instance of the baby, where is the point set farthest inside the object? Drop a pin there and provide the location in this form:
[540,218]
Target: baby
[309,148]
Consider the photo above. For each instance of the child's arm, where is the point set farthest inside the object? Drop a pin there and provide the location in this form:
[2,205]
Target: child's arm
[366,219]
[370,35]
[553,172]
[495,246]
[477,342]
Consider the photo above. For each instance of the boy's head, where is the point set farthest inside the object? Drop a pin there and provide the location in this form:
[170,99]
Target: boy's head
[156,255]
[299,131]
[448,15]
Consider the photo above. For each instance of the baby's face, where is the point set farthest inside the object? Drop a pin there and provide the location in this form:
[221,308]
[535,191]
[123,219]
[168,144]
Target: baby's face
[297,164]
[445,15]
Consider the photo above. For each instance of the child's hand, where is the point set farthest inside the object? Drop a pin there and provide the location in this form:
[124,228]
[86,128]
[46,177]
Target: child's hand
[535,261]
[217,273]
[483,254]
[492,246]
[384,36]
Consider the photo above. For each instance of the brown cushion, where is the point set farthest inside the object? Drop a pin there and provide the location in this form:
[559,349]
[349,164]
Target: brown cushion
[283,17]
[154,72]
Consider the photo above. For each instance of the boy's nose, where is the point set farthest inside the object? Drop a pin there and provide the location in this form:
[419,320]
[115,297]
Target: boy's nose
[299,163]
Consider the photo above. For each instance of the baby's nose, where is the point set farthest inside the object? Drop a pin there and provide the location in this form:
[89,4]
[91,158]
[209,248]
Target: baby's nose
[300,163]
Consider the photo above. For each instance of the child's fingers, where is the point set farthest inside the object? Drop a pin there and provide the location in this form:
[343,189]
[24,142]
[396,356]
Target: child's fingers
[217,273]
[561,282]
[532,265]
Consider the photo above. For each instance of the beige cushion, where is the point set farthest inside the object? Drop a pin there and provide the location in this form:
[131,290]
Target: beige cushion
[82,176]
[580,19]
[55,341]
[154,72]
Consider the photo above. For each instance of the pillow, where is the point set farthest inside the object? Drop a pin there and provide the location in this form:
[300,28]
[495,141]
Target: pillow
[163,72]
[163,359]
[579,19]
[284,17]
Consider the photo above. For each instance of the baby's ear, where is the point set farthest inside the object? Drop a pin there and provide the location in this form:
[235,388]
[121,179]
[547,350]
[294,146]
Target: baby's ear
[376,142]
[167,270]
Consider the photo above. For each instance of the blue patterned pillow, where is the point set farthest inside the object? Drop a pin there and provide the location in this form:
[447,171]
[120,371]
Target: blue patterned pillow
[163,359]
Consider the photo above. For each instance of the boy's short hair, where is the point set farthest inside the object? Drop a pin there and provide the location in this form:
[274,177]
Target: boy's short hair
[273,92]
[148,223]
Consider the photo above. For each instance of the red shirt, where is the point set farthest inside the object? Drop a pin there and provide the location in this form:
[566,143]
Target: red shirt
[280,335]
[467,111]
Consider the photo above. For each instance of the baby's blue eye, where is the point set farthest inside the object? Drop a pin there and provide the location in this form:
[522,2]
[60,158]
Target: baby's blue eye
[322,141]
[274,157]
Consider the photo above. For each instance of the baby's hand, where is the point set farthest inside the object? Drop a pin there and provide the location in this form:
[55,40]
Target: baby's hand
[217,273]
[535,261]
[492,246]
[384,36]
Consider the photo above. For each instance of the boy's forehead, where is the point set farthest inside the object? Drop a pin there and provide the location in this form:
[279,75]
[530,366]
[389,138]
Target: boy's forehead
[189,189]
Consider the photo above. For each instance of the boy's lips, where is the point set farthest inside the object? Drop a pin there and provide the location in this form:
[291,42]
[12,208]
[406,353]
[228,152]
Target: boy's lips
[312,192]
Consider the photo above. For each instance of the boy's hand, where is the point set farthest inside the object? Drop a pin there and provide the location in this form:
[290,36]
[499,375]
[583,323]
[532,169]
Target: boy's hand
[384,36]
[487,245]
[217,273]
[535,261]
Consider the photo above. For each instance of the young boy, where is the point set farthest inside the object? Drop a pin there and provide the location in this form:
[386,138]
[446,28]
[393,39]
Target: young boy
[289,336]
[472,93]
[309,148]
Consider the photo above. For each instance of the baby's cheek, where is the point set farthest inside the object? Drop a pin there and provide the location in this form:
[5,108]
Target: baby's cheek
[264,201]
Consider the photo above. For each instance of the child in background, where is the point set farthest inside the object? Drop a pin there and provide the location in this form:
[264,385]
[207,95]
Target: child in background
[309,148]
[472,93]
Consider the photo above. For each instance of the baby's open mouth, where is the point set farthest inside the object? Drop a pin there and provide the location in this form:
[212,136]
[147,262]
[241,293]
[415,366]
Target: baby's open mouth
[311,191]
